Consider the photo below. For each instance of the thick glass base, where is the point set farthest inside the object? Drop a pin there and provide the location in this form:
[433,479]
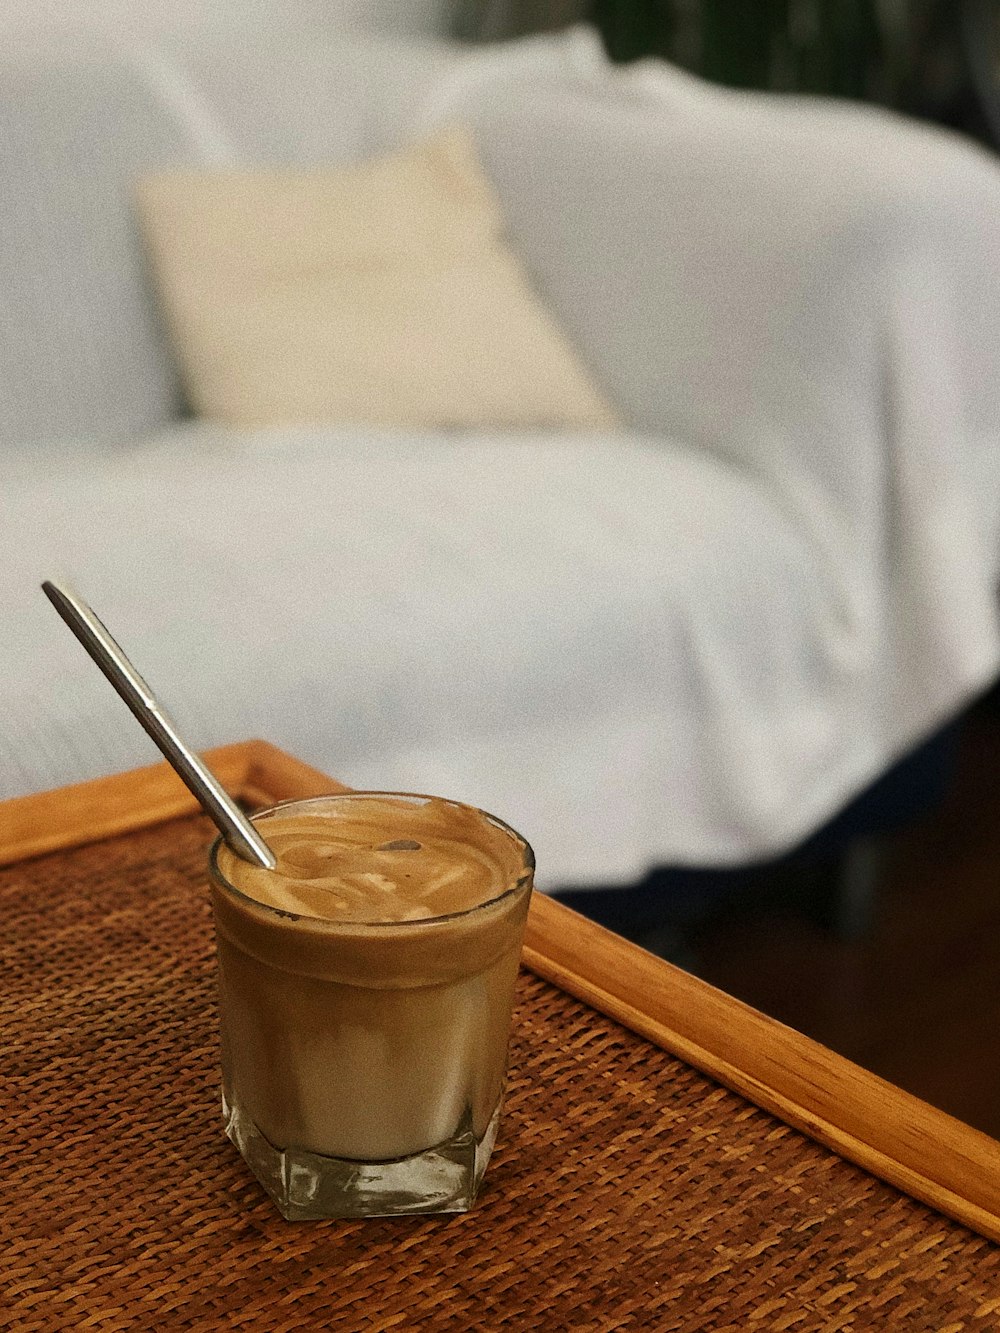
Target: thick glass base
[304,1185]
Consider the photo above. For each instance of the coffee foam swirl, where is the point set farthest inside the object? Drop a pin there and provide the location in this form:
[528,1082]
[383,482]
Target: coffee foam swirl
[379,858]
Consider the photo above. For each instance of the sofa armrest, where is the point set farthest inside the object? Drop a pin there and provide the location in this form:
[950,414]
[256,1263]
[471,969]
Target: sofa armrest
[784,281]
[704,251]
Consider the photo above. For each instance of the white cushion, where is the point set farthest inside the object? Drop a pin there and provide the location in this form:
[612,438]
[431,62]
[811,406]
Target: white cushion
[80,348]
[380,292]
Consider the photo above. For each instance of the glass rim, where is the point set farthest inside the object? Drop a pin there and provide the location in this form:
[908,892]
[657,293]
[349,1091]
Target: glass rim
[527,864]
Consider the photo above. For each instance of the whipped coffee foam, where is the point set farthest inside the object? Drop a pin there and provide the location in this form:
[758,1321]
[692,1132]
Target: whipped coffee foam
[377,858]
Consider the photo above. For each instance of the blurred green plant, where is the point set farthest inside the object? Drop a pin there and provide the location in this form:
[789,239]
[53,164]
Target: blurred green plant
[836,46]
[910,54]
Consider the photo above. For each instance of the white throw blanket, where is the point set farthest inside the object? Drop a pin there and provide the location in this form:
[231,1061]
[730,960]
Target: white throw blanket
[691,643]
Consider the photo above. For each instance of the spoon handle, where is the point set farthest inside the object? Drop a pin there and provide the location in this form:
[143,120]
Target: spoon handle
[230,820]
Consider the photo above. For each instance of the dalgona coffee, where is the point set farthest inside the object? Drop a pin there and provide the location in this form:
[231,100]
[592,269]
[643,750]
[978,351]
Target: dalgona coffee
[365,991]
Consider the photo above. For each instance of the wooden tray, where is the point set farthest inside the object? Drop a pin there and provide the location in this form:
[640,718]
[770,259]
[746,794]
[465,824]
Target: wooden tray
[669,1157]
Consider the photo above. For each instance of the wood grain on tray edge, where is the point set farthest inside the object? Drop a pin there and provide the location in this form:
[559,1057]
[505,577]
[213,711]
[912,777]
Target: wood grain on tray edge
[49,821]
[891,1134]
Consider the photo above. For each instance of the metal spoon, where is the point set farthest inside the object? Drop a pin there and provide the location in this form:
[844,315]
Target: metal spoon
[229,819]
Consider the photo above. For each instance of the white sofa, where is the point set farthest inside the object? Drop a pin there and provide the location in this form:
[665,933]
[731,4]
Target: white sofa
[686,642]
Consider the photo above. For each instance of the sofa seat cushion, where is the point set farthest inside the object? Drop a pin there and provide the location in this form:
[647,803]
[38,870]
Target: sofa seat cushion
[619,645]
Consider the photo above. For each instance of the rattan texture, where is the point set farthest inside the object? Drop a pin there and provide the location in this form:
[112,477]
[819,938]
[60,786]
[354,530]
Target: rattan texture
[627,1191]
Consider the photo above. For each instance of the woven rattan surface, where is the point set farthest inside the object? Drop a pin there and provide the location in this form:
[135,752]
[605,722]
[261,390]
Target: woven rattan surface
[627,1190]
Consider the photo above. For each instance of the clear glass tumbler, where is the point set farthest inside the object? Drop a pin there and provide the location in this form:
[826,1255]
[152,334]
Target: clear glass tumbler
[363,1063]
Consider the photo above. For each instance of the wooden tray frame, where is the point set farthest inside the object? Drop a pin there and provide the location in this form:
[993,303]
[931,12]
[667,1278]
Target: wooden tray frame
[891,1134]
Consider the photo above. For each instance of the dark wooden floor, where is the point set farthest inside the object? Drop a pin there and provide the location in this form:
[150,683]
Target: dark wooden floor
[917,999]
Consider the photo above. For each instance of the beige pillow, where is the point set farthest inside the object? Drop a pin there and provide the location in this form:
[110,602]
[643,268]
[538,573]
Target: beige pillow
[380,293]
